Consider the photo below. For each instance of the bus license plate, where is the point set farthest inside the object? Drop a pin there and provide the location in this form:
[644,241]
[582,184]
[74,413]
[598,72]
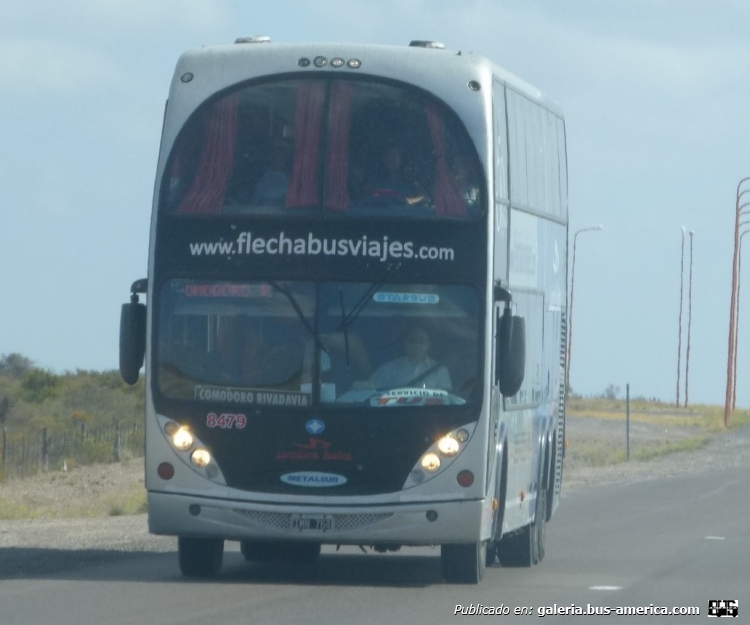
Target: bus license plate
[312,522]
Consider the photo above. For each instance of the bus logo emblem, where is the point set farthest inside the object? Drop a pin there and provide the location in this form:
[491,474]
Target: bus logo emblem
[315,426]
[313,479]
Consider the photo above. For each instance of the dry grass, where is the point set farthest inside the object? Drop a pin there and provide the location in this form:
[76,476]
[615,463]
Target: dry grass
[596,430]
[92,491]
[707,417]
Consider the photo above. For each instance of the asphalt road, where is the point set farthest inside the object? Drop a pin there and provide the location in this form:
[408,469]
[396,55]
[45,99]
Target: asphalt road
[672,542]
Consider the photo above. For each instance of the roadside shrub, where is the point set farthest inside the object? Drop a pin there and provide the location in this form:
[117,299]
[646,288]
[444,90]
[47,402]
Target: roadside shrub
[38,385]
[15,365]
[93,451]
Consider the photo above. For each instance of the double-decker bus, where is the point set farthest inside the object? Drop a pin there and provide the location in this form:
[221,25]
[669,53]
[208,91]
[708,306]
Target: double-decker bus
[356,296]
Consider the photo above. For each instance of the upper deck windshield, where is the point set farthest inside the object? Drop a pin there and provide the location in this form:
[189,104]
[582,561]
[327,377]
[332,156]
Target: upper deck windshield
[376,345]
[346,147]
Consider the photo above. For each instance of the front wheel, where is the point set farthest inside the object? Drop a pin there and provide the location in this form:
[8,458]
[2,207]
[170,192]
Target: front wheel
[200,557]
[463,564]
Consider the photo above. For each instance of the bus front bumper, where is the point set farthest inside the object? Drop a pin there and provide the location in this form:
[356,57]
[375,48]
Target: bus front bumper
[424,523]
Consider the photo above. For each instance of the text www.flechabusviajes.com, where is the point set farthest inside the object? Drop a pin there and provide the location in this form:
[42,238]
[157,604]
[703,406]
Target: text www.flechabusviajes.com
[382,249]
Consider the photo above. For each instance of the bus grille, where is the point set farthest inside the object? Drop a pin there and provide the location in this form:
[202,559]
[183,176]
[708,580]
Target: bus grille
[283,521]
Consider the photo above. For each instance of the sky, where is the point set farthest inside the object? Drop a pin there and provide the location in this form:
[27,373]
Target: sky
[656,96]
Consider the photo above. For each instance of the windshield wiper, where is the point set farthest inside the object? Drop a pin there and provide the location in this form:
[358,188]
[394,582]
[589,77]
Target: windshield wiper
[318,344]
[362,302]
[345,325]
[297,308]
[347,320]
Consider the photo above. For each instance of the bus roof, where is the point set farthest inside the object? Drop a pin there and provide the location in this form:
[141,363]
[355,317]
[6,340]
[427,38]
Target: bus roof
[432,68]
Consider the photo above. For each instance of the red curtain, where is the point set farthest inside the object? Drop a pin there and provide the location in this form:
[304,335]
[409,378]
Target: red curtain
[206,194]
[447,198]
[303,186]
[340,118]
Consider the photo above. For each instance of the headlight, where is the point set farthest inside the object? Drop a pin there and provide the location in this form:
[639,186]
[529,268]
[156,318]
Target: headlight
[448,446]
[182,439]
[190,451]
[200,458]
[462,435]
[440,455]
[431,462]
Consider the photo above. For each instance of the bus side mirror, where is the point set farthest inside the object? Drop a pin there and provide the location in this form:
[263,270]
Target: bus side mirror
[133,335]
[510,353]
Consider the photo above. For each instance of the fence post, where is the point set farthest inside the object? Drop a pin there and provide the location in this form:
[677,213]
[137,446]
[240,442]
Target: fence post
[5,445]
[117,440]
[627,424]
[45,449]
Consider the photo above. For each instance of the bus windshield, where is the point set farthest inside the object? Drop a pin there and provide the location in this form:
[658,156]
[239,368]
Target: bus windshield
[372,345]
[346,147]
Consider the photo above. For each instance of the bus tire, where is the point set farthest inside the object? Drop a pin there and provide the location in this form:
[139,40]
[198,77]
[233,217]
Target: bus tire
[200,557]
[517,549]
[491,553]
[463,564]
[527,546]
[540,526]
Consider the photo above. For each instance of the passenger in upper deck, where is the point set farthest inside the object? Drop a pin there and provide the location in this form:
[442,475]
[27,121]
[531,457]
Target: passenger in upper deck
[273,185]
[390,184]
[389,181]
[464,175]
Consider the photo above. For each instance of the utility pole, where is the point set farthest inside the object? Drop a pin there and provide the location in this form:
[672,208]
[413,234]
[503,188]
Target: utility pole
[690,319]
[679,319]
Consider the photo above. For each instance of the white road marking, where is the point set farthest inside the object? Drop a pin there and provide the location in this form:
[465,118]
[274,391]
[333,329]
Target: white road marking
[605,587]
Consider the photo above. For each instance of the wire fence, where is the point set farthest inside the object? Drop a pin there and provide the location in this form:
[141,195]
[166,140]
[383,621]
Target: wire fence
[24,454]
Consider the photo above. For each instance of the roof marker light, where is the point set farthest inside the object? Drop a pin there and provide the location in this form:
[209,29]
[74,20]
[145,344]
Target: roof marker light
[320,61]
[254,39]
[337,62]
[419,43]
[354,63]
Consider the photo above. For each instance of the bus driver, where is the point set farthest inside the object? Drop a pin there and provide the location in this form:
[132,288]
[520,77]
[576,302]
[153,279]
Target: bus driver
[415,368]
